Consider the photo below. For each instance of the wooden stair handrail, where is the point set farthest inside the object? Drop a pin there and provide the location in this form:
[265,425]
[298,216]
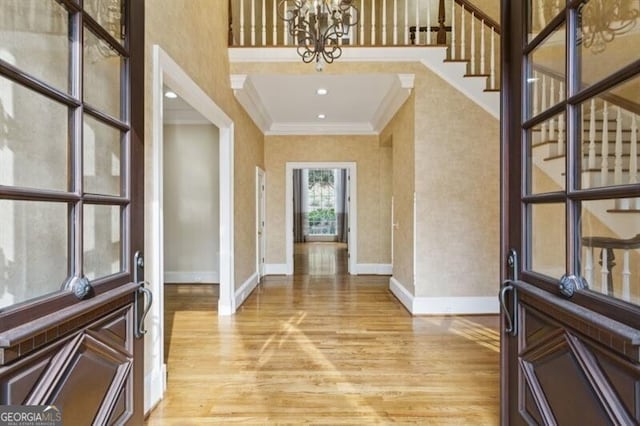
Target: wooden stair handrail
[609,97]
[480,14]
[612,243]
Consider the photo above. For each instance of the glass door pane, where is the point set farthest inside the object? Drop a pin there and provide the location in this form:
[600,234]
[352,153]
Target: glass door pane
[33,250]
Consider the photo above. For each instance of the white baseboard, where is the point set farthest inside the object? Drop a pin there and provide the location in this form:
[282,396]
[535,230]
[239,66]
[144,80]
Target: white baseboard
[443,305]
[191,277]
[245,290]
[275,269]
[155,384]
[401,293]
[374,269]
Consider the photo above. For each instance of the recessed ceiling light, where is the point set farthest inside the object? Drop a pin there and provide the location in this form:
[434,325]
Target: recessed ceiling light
[531,80]
[321,91]
[171,95]
[322,116]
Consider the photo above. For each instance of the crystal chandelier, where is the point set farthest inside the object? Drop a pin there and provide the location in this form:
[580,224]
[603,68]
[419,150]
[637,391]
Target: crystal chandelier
[602,20]
[318,27]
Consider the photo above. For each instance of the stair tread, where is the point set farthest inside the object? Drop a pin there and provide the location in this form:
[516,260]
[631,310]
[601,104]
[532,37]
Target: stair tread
[457,60]
[623,211]
[478,75]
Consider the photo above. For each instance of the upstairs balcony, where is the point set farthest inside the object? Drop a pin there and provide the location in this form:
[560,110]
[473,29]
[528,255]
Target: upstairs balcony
[467,34]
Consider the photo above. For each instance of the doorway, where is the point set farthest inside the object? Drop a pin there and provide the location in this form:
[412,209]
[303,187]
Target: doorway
[166,72]
[322,210]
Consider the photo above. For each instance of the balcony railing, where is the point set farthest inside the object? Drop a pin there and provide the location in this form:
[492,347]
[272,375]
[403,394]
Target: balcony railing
[470,34]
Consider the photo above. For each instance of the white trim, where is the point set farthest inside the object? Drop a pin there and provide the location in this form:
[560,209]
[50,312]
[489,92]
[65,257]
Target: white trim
[209,277]
[167,72]
[248,96]
[443,305]
[353,208]
[275,269]
[245,289]
[392,101]
[261,216]
[401,293]
[311,128]
[352,54]
[155,384]
[374,269]
[455,305]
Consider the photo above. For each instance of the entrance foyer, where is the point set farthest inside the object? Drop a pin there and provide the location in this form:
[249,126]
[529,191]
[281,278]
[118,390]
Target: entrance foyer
[319,347]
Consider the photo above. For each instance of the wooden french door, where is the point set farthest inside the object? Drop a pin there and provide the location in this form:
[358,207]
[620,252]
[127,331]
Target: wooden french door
[71,210]
[571,212]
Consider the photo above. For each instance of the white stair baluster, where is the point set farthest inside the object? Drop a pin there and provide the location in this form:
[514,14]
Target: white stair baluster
[588,267]
[493,58]
[275,23]
[543,107]
[482,48]
[617,170]
[417,33]
[552,102]
[384,22]
[561,127]
[428,22]
[406,22]
[604,272]
[604,166]
[373,22]
[463,35]
[253,23]
[535,94]
[241,22]
[633,150]
[626,277]
[453,29]
[473,43]
[592,135]
[362,15]
[264,22]
[395,22]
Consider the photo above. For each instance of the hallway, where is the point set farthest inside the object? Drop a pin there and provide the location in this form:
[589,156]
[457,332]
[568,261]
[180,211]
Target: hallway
[325,349]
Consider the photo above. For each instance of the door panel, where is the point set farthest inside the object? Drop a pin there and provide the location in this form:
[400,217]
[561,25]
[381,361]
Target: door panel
[572,358]
[571,340]
[71,208]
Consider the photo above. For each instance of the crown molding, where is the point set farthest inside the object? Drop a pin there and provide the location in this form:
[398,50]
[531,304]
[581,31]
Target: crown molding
[392,102]
[321,129]
[248,96]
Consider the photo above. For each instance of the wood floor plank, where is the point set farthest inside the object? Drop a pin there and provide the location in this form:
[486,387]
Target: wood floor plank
[327,349]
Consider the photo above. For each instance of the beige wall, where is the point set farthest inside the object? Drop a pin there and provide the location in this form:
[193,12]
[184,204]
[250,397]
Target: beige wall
[194,34]
[399,134]
[373,164]
[191,203]
[457,185]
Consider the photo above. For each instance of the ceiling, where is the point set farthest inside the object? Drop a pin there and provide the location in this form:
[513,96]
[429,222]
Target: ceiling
[290,104]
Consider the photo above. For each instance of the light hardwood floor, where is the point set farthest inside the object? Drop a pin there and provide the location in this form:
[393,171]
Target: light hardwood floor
[324,349]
